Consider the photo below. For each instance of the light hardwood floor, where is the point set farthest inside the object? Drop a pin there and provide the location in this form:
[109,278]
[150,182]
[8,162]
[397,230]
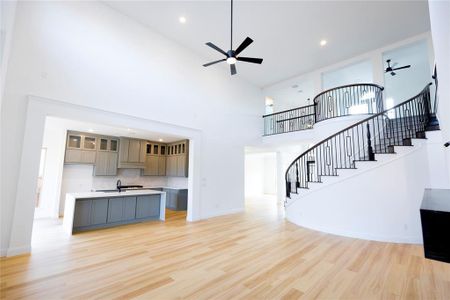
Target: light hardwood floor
[252,255]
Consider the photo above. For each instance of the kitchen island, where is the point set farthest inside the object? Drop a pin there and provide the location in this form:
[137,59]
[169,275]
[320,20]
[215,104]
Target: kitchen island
[93,210]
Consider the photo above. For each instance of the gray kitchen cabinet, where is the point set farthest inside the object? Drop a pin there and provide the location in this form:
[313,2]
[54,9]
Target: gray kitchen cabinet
[177,159]
[181,165]
[106,164]
[95,213]
[151,165]
[129,208]
[172,165]
[176,199]
[155,163]
[72,156]
[112,163]
[82,215]
[132,153]
[80,148]
[134,150]
[88,157]
[121,209]
[99,211]
[123,150]
[101,164]
[162,166]
[147,206]
[115,210]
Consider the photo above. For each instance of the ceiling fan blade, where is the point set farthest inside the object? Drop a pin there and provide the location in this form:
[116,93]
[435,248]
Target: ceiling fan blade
[250,60]
[393,73]
[216,48]
[214,62]
[404,67]
[244,45]
[233,69]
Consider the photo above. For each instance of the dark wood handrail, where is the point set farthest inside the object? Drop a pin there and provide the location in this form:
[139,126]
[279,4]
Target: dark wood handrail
[288,110]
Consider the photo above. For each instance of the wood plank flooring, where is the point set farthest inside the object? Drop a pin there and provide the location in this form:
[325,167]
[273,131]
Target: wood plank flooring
[252,255]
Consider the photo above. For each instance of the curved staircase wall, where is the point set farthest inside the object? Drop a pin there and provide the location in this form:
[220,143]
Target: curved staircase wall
[381,202]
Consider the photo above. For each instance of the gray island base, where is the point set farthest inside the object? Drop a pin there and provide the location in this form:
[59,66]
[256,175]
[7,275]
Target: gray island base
[87,211]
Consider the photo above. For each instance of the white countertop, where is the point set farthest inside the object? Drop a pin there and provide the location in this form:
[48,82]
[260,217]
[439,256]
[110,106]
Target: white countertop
[113,194]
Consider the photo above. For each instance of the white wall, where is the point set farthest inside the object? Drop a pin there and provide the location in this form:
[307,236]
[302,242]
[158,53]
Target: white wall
[375,57]
[440,30]
[7,16]
[87,54]
[384,202]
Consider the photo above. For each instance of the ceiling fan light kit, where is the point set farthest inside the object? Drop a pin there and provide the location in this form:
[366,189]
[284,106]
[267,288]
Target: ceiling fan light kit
[232,56]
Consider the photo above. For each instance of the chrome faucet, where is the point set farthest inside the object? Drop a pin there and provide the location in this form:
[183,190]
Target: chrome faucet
[119,185]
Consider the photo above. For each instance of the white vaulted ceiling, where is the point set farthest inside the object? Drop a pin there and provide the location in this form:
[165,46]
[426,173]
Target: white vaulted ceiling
[286,33]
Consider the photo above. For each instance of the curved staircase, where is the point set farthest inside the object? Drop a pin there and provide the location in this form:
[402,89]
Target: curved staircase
[362,141]
[367,180]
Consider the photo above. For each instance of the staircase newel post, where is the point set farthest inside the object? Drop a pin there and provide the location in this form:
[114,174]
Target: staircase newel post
[288,189]
[369,145]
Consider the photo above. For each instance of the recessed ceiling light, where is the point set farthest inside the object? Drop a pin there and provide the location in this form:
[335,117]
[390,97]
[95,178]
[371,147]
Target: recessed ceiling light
[161,140]
[91,130]
[182,19]
[323,42]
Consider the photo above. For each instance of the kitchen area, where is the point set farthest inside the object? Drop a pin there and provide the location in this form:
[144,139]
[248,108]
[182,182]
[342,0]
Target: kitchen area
[96,176]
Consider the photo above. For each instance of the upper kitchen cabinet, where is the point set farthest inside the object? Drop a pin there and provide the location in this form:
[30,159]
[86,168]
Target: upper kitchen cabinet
[107,157]
[132,153]
[80,148]
[177,159]
[155,163]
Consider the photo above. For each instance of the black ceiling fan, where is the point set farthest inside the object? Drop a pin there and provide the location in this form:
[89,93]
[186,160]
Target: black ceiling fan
[392,68]
[233,55]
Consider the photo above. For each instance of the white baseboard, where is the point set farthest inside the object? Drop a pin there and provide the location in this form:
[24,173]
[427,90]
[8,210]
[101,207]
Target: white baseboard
[18,251]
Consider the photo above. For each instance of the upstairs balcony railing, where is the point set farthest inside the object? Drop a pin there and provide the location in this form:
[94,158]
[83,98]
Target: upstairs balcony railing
[296,119]
[354,99]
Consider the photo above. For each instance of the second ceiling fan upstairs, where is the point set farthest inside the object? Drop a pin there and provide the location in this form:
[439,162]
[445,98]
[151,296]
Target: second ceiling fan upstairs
[231,56]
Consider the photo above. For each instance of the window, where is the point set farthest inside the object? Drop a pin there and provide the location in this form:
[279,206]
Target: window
[269,105]
[360,72]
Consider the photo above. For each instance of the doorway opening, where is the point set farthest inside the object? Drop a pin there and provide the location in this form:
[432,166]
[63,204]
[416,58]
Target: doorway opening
[261,181]
[80,157]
